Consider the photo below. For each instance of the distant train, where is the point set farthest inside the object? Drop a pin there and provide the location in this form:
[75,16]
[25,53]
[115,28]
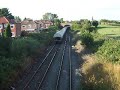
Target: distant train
[58,36]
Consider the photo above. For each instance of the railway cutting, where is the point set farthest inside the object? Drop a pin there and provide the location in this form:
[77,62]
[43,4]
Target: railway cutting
[57,70]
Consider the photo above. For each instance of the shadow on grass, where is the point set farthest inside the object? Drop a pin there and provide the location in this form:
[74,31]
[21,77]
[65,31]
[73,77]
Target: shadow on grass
[102,27]
[110,34]
[96,45]
[96,78]
[114,37]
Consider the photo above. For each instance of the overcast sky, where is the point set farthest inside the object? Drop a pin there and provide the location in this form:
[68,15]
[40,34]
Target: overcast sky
[67,9]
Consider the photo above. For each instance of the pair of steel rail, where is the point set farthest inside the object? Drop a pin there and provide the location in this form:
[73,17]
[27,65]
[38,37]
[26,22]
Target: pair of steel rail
[48,68]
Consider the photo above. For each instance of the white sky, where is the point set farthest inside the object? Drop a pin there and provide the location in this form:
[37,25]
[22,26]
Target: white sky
[67,9]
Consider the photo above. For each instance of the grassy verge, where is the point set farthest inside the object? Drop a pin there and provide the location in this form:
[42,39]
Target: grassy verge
[101,71]
[20,54]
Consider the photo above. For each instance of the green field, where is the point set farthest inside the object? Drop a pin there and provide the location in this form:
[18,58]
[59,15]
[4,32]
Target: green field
[110,31]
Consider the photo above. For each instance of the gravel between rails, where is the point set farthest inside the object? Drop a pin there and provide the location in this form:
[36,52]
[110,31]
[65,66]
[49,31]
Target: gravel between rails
[51,79]
[64,83]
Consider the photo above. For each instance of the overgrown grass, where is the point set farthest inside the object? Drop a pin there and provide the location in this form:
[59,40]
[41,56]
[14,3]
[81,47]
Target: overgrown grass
[100,75]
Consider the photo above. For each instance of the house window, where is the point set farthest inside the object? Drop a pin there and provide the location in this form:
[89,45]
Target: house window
[29,26]
[5,25]
[12,26]
[23,26]
[0,26]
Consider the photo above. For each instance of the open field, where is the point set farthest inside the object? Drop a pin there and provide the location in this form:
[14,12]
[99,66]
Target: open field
[111,31]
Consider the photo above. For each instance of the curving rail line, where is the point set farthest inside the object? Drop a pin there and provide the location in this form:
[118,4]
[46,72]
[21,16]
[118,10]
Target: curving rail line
[40,84]
[39,67]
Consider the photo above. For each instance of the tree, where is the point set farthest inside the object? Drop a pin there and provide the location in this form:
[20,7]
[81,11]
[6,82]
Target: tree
[7,32]
[95,23]
[24,18]
[61,20]
[76,25]
[86,25]
[5,12]
[57,23]
[49,16]
[17,19]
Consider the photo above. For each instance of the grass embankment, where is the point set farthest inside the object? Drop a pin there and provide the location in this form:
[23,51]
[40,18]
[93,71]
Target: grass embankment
[101,70]
[17,54]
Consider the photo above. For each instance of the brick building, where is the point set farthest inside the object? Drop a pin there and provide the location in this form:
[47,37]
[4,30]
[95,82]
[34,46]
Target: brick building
[15,27]
[34,26]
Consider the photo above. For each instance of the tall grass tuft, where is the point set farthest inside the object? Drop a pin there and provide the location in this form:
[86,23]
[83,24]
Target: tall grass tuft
[99,75]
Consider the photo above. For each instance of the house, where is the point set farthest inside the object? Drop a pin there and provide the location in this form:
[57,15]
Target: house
[15,27]
[43,24]
[34,26]
[29,25]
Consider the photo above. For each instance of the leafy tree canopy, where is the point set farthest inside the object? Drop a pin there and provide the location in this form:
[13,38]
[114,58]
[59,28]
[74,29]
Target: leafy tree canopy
[95,23]
[50,16]
[5,12]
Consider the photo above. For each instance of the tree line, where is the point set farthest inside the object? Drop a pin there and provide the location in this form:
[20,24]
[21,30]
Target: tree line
[85,25]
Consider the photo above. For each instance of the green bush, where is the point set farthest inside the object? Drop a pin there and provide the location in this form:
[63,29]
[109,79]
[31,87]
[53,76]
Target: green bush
[110,50]
[24,33]
[53,28]
[5,44]
[24,47]
[8,66]
[16,54]
[44,37]
[87,39]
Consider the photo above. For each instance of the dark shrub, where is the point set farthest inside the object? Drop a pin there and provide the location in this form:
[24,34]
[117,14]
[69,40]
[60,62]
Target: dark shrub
[24,33]
[5,44]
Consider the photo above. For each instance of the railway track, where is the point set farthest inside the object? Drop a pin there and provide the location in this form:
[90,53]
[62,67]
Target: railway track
[70,66]
[67,48]
[43,67]
[46,70]
[41,72]
[37,78]
[61,64]
[38,68]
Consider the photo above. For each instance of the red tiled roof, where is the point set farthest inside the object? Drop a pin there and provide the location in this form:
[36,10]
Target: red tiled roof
[3,20]
[6,20]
